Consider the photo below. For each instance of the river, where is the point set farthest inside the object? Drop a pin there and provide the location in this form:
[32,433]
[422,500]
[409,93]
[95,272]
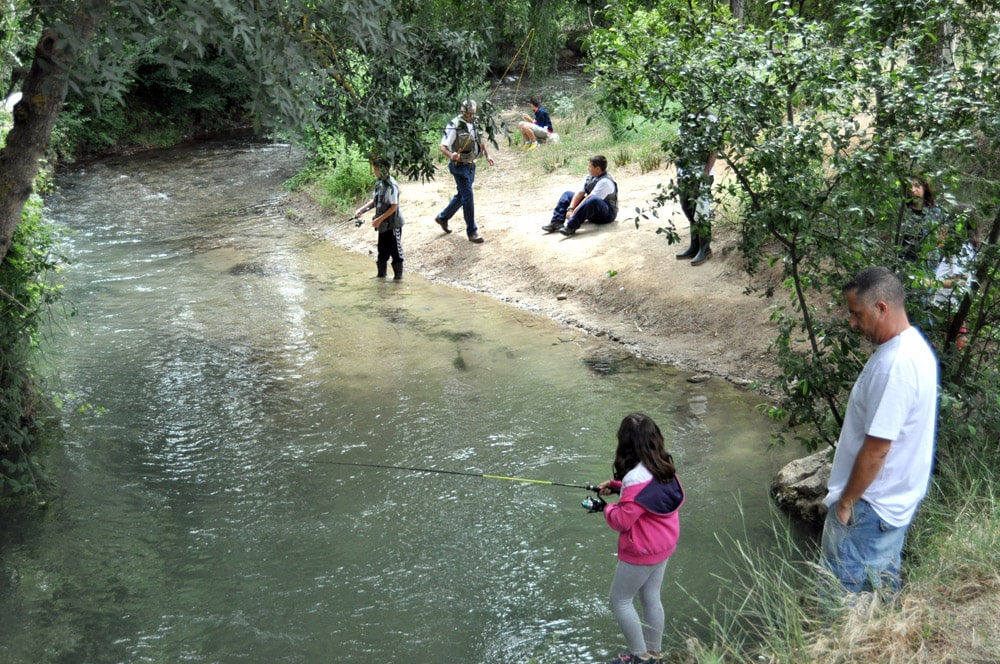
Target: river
[231,391]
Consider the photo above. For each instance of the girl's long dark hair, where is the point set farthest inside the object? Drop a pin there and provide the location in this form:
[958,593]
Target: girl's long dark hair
[929,199]
[640,441]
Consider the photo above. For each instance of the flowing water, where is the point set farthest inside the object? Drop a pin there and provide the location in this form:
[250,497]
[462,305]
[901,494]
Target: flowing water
[223,372]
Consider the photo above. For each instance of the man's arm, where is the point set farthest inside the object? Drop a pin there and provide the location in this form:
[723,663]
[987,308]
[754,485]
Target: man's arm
[377,221]
[575,203]
[867,465]
[446,141]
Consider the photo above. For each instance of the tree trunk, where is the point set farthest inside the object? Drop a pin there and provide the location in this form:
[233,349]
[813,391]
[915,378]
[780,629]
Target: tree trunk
[736,8]
[43,93]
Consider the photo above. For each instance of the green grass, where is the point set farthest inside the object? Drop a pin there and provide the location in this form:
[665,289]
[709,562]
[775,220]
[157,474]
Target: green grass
[778,607]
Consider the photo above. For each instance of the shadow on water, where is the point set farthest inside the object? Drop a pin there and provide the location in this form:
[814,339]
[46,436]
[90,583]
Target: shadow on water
[202,516]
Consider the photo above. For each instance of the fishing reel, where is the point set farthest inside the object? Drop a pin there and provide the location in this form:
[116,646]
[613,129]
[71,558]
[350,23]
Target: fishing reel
[594,504]
[358,221]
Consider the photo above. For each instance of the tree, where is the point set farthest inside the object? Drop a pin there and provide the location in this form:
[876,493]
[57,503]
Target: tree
[824,122]
[354,66]
[354,69]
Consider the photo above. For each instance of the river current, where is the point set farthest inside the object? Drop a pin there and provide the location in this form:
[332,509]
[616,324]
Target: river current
[246,418]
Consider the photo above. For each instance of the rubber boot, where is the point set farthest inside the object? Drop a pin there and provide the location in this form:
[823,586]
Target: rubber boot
[381,265]
[692,250]
[397,270]
[704,253]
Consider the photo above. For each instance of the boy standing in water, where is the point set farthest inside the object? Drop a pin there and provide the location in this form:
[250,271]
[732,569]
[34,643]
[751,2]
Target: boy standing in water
[388,220]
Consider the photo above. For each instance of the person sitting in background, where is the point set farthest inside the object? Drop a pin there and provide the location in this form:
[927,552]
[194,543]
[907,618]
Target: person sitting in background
[537,127]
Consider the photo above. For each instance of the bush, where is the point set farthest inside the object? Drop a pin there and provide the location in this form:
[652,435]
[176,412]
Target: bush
[25,300]
[339,175]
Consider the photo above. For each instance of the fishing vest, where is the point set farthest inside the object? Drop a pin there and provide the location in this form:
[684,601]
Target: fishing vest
[383,188]
[466,142]
[610,199]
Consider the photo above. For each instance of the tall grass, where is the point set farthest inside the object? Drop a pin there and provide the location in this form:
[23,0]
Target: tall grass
[775,597]
[782,606]
[585,129]
[956,540]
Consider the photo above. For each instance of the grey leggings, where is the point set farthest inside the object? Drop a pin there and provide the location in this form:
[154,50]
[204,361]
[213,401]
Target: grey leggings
[645,581]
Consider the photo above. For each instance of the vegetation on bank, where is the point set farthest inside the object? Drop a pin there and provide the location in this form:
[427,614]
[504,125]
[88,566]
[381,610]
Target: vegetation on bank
[27,297]
[826,110]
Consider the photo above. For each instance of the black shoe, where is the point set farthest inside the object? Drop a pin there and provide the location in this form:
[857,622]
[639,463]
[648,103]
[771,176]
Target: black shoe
[692,249]
[475,238]
[704,253]
[567,231]
[551,227]
[397,270]
[443,224]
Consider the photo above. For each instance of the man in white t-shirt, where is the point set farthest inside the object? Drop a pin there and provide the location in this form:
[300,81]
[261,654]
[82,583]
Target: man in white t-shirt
[882,466]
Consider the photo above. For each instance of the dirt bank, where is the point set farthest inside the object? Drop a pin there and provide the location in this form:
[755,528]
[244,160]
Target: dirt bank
[616,280]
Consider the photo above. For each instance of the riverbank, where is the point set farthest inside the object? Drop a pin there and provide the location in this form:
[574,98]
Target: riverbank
[620,280]
[623,281]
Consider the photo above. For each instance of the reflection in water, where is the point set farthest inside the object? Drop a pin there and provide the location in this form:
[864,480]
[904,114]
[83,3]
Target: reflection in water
[201,516]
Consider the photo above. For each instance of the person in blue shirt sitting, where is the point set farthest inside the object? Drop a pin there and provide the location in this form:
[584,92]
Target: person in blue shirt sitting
[537,127]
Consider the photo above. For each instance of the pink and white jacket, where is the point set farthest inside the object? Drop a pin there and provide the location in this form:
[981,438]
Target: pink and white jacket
[646,516]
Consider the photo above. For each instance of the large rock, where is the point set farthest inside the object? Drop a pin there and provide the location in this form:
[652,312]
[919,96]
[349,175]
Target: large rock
[799,487]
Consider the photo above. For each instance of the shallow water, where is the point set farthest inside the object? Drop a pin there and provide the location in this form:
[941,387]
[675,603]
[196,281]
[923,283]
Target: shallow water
[227,367]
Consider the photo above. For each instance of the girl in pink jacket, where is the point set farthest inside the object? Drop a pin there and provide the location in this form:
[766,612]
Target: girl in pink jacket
[646,519]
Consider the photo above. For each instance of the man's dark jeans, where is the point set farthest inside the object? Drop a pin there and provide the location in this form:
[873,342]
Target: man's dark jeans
[465,175]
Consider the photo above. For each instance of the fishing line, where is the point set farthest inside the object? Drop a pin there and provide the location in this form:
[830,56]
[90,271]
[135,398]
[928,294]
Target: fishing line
[485,476]
[528,41]
[336,225]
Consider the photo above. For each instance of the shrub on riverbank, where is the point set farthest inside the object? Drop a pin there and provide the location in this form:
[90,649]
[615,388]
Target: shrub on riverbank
[26,301]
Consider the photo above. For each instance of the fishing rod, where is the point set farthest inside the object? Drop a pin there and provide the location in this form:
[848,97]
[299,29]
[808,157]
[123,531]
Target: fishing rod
[335,226]
[485,476]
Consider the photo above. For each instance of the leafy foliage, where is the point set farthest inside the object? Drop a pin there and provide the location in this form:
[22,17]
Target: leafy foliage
[824,121]
[26,297]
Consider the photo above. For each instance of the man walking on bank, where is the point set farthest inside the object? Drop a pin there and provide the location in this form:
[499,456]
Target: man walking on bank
[882,466]
[463,142]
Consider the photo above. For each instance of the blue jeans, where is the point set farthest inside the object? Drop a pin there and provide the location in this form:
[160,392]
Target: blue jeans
[465,175]
[594,210]
[864,555]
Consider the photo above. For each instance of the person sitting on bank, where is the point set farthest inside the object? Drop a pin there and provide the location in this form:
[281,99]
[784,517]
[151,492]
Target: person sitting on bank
[596,201]
[535,128]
